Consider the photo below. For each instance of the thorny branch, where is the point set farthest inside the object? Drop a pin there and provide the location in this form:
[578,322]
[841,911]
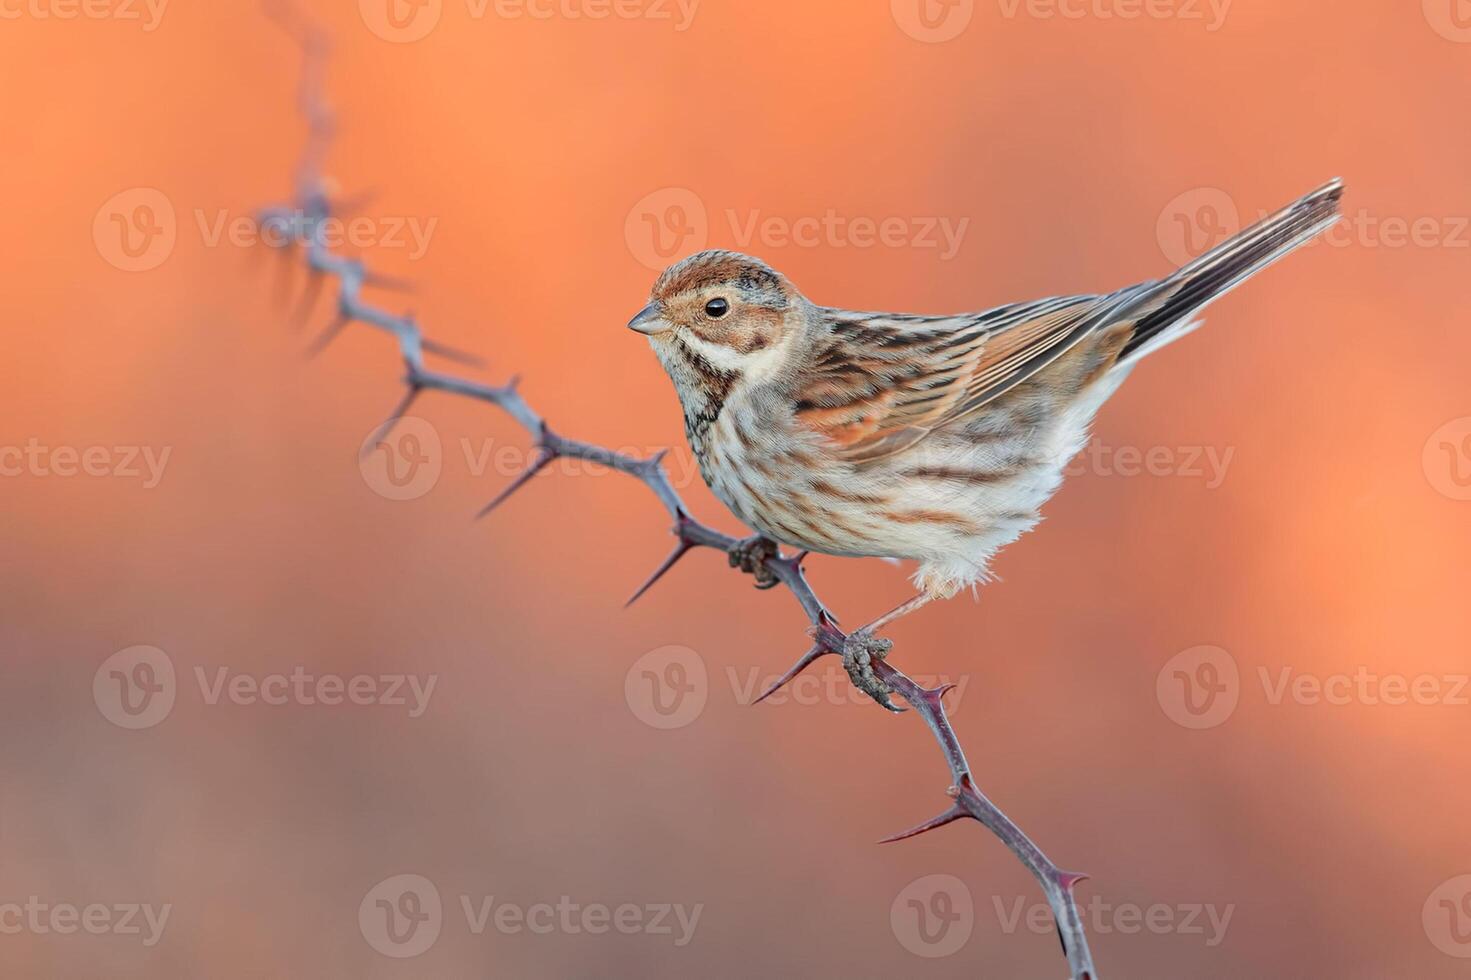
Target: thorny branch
[300,225]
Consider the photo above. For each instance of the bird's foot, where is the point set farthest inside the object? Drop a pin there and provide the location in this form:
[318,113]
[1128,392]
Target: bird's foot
[750,557]
[861,650]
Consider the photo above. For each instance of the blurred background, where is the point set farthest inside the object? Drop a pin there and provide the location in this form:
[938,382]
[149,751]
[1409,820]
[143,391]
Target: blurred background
[273,711]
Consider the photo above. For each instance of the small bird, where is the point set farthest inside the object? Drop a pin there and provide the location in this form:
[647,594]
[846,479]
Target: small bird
[935,439]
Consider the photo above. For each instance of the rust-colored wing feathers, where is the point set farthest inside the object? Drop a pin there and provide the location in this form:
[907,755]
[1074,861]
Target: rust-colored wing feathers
[884,382]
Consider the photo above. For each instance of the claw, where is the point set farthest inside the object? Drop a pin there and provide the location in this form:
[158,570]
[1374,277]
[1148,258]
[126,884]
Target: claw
[750,557]
[860,652]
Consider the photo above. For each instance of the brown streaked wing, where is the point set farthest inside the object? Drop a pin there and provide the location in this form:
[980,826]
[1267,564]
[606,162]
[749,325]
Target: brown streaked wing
[883,382]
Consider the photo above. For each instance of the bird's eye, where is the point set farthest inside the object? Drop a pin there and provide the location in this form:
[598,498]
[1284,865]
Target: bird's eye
[716,308]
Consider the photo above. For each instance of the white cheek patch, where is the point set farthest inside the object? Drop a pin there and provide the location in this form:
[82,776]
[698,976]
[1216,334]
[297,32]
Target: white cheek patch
[752,367]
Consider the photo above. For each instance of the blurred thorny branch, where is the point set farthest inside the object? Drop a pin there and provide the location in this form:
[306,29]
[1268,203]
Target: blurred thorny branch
[298,228]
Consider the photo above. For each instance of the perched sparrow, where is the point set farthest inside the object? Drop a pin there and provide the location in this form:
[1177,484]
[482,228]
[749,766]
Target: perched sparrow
[932,438]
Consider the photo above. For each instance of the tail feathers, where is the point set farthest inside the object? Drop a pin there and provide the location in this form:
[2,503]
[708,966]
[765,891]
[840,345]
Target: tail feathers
[1229,264]
[1162,338]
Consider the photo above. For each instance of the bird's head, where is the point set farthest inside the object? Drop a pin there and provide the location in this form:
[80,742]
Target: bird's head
[720,316]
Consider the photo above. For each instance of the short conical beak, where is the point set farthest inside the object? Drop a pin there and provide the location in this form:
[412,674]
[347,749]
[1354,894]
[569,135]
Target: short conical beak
[649,320]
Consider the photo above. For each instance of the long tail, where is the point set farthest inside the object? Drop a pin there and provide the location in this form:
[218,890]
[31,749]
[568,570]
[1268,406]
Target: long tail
[1229,264]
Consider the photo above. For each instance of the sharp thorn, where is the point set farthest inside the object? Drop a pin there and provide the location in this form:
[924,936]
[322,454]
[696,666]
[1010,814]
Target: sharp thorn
[325,338]
[285,279]
[351,204]
[1071,879]
[452,353]
[543,457]
[386,426]
[308,299]
[680,550]
[387,282]
[949,816]
[807,660]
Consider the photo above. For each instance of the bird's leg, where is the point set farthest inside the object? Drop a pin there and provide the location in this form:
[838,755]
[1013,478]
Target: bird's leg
[899,612]
[750,557]
[862,649]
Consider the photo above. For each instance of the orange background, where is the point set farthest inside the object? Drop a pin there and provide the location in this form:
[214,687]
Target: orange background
[1064,142]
